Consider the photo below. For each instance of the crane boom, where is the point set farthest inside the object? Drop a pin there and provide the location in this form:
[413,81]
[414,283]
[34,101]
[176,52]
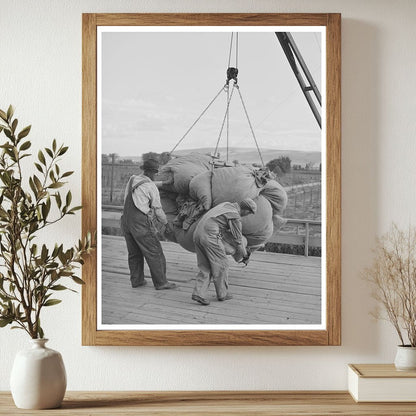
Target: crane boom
[291,51]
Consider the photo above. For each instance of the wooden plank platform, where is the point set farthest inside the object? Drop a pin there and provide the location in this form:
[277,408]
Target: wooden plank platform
[275,289]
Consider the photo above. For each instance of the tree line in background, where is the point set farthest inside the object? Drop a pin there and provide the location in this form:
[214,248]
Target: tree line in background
[162,158]
[279,166]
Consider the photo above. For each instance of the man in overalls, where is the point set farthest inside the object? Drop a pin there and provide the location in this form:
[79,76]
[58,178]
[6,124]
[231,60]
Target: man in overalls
[141,199]
[222,221]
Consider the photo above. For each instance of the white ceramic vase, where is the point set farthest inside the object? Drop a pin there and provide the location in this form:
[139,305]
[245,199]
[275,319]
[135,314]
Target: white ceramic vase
[38,378]
[405,358]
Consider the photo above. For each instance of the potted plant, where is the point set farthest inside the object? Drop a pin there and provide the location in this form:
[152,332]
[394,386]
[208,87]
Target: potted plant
[31,272]
[393,277]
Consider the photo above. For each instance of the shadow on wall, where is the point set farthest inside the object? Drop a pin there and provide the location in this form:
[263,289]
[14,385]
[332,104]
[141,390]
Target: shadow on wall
[361,187]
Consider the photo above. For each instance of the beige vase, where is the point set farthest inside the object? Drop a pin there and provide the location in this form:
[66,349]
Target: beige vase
[405,358]
[38,377]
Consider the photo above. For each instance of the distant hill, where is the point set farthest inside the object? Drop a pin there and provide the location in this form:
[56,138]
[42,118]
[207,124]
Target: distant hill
[250,155]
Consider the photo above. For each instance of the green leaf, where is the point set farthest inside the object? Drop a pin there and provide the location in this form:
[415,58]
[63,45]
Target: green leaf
[63,150]
[41,157]
[62,257]
[3,116]
[77,208]
[40,332]
[33,187]
[68,199]
[24,132]
[76,279]
[10,112]
[8,133]
[67,174]
[54,145]
[45,211]
[37,182]
[34,249]
[51,302]
[39,167]
[5,321]
[44,253]
[49,152]
[58,199]
[56,185]
[14,125]
[55,251]
[59,287]
[25,145]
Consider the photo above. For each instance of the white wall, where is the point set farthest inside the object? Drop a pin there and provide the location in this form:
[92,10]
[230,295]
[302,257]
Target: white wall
[40,73]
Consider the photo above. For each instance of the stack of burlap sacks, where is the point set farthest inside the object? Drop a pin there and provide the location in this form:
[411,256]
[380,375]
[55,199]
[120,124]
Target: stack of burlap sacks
[196,185]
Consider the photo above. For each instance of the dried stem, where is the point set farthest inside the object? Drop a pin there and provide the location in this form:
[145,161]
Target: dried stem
[393,277]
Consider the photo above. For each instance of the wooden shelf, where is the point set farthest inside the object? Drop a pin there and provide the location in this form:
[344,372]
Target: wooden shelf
[178,403]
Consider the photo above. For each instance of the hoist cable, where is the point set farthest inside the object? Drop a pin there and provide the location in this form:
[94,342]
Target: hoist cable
[196,121]
[231,48]
[228,121]
[227,114]
[236,50]
[249,123]
[223,121]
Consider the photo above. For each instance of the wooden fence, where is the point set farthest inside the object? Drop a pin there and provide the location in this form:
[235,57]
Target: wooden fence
[302,236]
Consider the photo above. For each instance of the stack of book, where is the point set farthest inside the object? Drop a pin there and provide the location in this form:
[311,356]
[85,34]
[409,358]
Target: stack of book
[381,383]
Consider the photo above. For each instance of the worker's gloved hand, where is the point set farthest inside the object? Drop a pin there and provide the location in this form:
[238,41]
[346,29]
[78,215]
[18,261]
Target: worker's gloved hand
[246,258]
[167,231]
[240,252]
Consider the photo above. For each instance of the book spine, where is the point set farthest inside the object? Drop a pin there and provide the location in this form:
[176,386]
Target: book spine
[353,381]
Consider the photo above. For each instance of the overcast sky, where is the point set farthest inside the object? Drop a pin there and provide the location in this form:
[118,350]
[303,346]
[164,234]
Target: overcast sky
[154,86]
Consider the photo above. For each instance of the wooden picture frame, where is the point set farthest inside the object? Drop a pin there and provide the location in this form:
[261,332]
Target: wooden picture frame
[331,334]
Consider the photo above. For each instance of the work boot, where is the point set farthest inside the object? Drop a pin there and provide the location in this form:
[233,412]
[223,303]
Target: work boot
[200,300]
[167,285]
[135,284]
[228,296]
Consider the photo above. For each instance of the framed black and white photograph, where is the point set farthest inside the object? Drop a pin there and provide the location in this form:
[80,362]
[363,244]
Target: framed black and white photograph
[211,172]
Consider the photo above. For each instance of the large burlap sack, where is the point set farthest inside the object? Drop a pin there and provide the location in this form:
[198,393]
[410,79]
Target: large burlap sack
[276,195]
[186,240]
[209,188]
[182,169]
[168,201]
[232,184]
[200,189]
[258,227]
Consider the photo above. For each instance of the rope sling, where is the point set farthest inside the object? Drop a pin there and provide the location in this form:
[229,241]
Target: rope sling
[232,73]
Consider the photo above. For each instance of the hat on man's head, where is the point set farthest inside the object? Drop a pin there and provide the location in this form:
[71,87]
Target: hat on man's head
[249,205]
[150,165]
